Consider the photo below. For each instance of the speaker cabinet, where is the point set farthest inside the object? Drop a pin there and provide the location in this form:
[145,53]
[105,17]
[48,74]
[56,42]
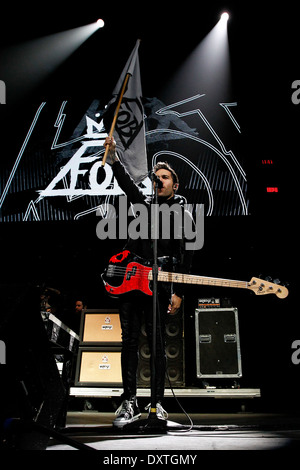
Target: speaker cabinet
[99,355]
[218,353]
[98,366]
[174,354]
[100,327]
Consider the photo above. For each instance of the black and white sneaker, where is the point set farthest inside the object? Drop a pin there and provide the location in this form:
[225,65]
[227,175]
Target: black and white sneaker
[160,412]
[127,412]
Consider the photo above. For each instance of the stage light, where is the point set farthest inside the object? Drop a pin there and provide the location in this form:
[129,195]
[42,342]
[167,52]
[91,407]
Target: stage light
[100,23]
[225,16]
[207,69]
[27,64]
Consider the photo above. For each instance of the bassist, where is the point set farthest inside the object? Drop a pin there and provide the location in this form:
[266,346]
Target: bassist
[134,304]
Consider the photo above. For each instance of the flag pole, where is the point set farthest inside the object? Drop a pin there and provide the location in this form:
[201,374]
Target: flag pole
[116,116]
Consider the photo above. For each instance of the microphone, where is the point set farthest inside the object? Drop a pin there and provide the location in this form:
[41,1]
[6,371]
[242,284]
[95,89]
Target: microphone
[157,180]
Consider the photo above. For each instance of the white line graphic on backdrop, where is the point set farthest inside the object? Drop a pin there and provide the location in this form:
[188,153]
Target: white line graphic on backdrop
[13,171]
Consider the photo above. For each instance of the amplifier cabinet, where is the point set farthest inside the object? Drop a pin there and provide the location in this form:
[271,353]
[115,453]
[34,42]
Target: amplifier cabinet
[218,353]
[175,357]
[98,366]
[100,327]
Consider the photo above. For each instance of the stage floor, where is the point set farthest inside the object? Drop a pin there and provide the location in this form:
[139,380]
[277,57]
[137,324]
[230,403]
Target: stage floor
[210,431]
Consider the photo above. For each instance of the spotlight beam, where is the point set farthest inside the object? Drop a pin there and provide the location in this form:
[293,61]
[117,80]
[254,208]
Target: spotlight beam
[206,69]
[25,65]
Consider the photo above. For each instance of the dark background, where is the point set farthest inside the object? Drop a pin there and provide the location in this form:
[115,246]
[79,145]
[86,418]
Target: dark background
[70,258]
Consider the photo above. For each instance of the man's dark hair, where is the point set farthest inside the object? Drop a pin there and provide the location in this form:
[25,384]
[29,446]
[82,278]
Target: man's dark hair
[166,166]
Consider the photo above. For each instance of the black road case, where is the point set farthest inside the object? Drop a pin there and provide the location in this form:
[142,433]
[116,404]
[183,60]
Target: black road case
[218,353]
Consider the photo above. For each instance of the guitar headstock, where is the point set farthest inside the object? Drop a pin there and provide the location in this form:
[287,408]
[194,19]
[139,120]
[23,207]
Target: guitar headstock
[262,287]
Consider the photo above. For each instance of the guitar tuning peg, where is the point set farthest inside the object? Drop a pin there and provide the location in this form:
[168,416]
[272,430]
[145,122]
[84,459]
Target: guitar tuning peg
[276,281]
[268,278]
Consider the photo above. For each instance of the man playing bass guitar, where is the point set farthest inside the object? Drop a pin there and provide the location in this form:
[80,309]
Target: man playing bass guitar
[134,304]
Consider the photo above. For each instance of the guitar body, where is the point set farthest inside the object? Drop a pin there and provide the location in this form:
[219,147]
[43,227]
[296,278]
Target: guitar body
[126,273]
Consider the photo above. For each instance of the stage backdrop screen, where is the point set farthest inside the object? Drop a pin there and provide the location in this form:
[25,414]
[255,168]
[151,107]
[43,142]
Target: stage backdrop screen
[55,173]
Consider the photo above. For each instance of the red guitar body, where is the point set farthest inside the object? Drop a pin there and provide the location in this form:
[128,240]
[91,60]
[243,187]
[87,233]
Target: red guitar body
[125,273]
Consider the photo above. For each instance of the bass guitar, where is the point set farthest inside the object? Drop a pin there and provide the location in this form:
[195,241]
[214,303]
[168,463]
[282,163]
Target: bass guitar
[128,272]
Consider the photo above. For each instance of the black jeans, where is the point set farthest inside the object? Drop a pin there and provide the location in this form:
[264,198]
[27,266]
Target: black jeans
[132,308]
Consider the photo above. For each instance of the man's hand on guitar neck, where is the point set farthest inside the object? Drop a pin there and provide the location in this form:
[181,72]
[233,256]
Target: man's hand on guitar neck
[175,304]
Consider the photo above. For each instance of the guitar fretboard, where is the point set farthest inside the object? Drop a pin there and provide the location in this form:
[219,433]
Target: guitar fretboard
[202,280]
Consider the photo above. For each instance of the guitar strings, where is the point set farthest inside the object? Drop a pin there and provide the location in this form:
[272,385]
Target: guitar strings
[189,278]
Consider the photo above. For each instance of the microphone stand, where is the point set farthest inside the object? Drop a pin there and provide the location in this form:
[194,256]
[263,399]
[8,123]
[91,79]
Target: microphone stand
[155,423]
[152,423]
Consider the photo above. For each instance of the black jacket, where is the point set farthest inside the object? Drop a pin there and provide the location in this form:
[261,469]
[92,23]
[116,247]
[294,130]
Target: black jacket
[179,259]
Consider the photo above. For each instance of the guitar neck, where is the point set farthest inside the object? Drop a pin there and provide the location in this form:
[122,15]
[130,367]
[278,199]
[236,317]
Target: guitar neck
[200,280]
